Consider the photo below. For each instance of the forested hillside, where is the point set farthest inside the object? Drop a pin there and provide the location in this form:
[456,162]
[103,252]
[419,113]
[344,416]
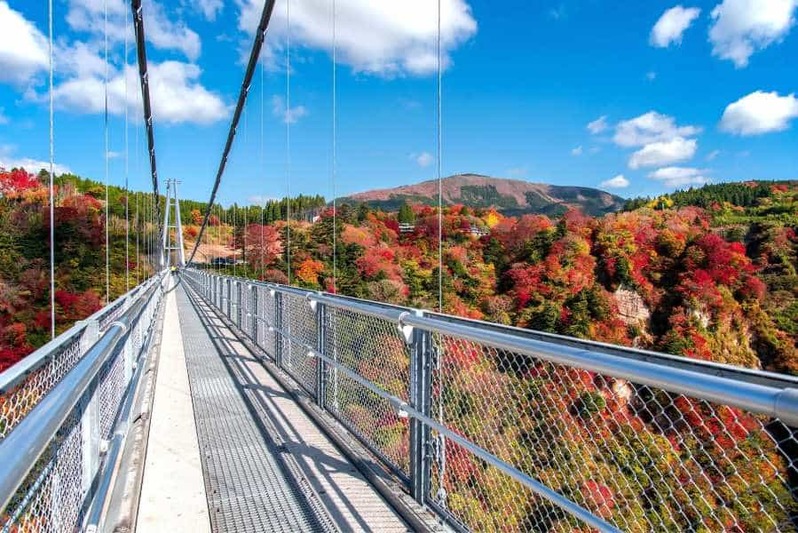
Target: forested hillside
[79,256]
[707,273]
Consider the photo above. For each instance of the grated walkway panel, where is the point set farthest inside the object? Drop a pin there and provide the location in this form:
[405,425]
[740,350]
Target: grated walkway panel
[248,484]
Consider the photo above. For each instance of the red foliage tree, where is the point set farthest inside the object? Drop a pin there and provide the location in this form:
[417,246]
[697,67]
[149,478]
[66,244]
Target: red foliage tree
[14,182]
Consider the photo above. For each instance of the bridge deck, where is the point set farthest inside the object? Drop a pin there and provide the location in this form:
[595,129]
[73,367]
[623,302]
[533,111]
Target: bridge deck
[265,465]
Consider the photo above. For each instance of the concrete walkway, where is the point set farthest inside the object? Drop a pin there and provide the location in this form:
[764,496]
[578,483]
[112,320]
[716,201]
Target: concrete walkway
[173,492]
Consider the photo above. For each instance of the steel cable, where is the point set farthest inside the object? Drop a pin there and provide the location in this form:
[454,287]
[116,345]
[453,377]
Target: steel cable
[260,36]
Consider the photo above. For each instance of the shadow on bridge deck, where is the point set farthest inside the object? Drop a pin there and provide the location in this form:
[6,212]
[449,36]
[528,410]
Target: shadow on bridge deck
[266,466]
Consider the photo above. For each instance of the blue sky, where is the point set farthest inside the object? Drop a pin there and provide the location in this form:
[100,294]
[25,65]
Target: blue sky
[633,97]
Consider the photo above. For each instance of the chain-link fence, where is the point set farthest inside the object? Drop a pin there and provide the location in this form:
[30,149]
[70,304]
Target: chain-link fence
[23,385]
[522,432]
[58,490]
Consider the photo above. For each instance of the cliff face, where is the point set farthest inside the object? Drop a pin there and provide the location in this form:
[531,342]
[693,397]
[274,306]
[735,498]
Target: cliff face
[631,307]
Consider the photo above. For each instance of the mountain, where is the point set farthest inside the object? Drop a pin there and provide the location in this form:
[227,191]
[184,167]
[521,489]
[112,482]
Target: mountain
[512,197]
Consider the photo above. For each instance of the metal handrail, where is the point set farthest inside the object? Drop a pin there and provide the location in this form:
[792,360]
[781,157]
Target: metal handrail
[21,449]
[752,375]
[750,390]
[17,373]
[699,379]
[767,400]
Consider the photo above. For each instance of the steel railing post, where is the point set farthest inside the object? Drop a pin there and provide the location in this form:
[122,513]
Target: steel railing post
[254,314]
[242,305]
[420,394]
[90,416]
[229,284]
[321,366]
[278,329]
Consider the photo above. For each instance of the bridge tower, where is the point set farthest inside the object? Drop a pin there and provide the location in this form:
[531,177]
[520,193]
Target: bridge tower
[172,199]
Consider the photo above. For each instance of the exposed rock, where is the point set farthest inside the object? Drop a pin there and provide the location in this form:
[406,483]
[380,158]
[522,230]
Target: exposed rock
[631,307]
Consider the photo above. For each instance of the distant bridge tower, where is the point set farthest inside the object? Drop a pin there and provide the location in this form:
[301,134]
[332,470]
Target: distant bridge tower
[177,246]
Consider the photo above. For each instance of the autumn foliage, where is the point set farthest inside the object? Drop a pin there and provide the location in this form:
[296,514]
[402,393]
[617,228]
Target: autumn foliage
[710,276]
[79,260]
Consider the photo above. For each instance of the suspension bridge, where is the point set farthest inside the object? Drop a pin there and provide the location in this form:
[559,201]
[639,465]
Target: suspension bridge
[206,402]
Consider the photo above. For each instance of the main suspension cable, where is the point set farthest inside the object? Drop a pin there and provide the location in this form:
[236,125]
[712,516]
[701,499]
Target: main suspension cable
[260,36]
[138,23]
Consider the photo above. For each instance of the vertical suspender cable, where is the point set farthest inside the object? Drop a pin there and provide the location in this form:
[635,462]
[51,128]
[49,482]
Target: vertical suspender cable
[335,145]
[138,232]
[235,244]
[260,35]
[288,138]
[262,166]
[107,172]
[138,210]
[127,164]
[52,178]
[442,467]
[439,166]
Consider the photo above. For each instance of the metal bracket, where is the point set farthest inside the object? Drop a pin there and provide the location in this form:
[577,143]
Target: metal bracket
[406,331]
[401,409]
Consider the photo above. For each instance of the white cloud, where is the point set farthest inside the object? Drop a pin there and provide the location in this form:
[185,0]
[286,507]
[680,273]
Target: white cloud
[759,112]
[170,35]
[261,199]
[576,152]
[287,115]
[8,161]
[711,156]
[597,126]
[177,96]
[664,153]
[618,182]
[649,128]
[3,117]
[558,13]
[518,172]
[679,176]
[742,27]
[424,159]
[89,16]
[208,8]
[80,59]
[659,139]
[23,48]
[381,37]
[671,26]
